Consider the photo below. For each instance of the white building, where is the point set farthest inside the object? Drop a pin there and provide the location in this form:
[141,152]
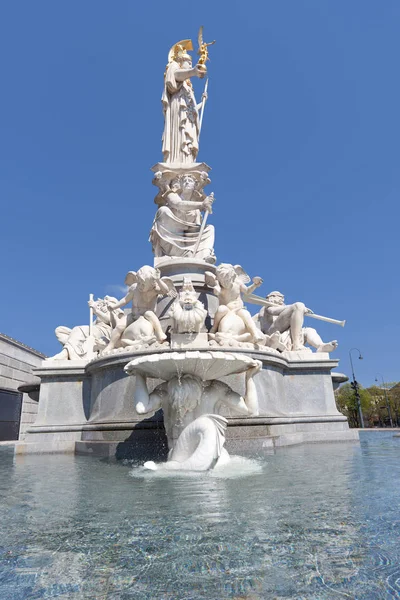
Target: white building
[17,408]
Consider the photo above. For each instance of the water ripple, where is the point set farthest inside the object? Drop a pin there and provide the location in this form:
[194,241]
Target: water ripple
[310,522]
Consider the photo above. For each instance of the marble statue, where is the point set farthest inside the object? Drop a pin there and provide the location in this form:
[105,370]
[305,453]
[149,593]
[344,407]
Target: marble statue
[200,447]
[232,320]
[192,374]
[142,325]
[186,397]
[177,229]
[180,140]
[288,321]
[81,344]
[187,312]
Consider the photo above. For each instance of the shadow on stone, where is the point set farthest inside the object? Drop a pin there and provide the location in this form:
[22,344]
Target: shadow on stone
[86,397]
[148,441]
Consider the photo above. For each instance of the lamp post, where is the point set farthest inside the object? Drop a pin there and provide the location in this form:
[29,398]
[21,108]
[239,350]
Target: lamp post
[355,386]
[386,398]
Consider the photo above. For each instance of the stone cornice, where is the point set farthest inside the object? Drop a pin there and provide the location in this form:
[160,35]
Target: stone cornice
[18,344]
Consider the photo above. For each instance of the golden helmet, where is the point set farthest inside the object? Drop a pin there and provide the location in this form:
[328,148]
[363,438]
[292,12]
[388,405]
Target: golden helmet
[179,51]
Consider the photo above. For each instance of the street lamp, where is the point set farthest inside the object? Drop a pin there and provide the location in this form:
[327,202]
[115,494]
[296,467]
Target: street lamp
[355,386]
[386,397]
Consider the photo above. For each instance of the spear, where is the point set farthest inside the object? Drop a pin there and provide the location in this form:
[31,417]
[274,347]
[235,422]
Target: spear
[202,108]
[90,315]
[90,341]
[206,213]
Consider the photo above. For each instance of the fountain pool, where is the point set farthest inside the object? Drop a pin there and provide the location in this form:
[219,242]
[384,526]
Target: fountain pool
[308,522]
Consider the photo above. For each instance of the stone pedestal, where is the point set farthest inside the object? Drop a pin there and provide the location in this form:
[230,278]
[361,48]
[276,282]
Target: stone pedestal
[90,408]
[64,407]
[184,341]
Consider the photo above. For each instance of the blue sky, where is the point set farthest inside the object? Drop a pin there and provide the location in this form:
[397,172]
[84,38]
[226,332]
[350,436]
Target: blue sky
[301,130]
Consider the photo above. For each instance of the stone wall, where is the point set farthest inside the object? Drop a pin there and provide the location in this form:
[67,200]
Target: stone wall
[16,362]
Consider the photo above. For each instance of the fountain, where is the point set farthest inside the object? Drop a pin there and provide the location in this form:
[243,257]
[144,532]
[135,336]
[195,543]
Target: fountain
[224,380]
[178,381]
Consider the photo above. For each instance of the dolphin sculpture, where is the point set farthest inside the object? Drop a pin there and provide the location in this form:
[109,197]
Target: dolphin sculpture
[198,448]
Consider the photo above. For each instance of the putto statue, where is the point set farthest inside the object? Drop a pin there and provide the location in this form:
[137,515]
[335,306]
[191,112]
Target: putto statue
[187,313]
[83,342]
[180,140]
[232,321]
[177,229]
[288,321]
[142,325]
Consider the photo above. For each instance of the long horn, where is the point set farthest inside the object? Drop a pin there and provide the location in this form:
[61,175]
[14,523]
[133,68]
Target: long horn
[327,319]
[254,299]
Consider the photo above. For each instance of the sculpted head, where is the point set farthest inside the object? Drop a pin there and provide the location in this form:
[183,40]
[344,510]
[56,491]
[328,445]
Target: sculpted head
[101,303]
[276,298]
[185,61]
[185,393]
[188,182]
[188,300]
[226,274]
[179,54]
[146,278]
[102,307]
[187,295]
[188,313]
[184,183]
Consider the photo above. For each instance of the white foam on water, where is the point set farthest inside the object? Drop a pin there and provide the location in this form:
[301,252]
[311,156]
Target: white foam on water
[237,467]
[143,473]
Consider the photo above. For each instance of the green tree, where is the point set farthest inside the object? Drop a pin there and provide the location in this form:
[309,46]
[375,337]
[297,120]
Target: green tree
[394,398]
[377,392]
[346,402]
[380,413]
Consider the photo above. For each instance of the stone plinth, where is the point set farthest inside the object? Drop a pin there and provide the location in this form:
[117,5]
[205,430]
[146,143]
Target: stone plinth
[182,341]
[90,408]
[63,410]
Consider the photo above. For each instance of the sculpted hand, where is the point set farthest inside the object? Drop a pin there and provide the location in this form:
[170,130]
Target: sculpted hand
[204,96]
[200,70]
[207,203]
[166,286]
[137,372]
[92,303]
[309,311]
[140,408]
[257,281]
[110,306]
[253,370]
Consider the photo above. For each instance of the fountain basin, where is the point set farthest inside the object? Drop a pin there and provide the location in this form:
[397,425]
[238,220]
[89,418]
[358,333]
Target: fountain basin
[89,408]
[254,529]
[205,365]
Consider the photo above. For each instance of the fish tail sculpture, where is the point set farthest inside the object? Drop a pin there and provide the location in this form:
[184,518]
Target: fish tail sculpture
[198,447]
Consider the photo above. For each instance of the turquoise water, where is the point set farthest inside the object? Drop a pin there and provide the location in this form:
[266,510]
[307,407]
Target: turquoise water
[309,522]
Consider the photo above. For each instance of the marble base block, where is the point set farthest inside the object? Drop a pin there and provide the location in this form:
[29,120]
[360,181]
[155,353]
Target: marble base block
[183,341]
[90,408]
